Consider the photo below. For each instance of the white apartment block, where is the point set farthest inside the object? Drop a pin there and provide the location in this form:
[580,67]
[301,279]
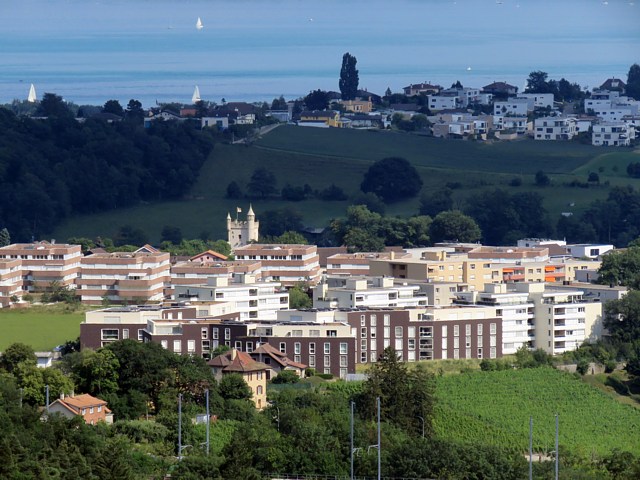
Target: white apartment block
[438,102]
[520,125]
[563,319]
[197,273]
[358,292]
[588,250]
[612,134]
[357,263]
[538,100]
[43,263]
[555,128]
[10,281]
[610,106]
[518,107]
[123,277]
[288,264]
[249,299]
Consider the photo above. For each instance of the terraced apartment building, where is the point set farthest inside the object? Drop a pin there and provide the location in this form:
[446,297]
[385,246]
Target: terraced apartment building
[288,264]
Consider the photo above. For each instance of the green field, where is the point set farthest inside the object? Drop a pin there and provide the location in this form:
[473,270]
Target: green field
[494,408]
[320,157]
[41,328]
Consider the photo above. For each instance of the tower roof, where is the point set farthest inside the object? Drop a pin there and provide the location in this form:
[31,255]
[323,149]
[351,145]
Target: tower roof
[250,212]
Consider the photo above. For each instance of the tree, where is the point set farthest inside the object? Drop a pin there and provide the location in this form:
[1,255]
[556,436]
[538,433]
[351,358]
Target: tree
[134,110]
[53,105]
[299,298]
[317,100]
[279,104]
[129,235]
[633,82]
[542,179]
[286,376]
[233,190]
[348,77]
[621,268]
[292,238]
[454,225]
[15,354]
[277,222]
[114,107]
[233,387]
[622,317]
[93,372]
[263,183]
[593,178]
[5,238]
[439,201]
[392,179]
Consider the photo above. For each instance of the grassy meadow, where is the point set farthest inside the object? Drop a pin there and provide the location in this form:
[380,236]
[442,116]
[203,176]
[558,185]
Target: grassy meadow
[41,327]
[320,157]
[494,408]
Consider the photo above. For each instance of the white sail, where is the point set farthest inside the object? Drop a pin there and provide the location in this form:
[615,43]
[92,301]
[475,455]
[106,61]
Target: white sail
[199,24]
[196,95]
[32,98]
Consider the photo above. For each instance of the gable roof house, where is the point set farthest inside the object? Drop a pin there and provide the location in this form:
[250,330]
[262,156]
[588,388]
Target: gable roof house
[91,409]
[421,88]
[613,84]
[500,89]
[320,118]
[277,361]
[252,372]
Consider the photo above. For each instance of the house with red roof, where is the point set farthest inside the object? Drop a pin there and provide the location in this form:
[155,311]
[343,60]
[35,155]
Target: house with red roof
[277,361]
[90,408]
[254,373]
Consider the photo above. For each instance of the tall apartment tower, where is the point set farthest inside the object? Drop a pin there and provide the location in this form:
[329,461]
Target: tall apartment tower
[240,232]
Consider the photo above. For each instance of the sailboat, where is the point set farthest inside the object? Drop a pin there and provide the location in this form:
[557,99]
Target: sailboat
[32,98]
[199,24]
[196,95]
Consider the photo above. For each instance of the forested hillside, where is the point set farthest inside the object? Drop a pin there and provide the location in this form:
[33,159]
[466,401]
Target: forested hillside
[57,167]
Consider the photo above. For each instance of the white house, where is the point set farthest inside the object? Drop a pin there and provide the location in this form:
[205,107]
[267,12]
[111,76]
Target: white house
[437,102]
[540,100]
[512,106]
[555,128]
[612,134]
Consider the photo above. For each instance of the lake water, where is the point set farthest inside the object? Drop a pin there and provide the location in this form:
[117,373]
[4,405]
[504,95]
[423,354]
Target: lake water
[92,51]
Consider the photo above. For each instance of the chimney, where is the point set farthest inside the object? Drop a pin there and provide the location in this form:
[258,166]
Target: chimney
[62,396]
[392,255]
[234,354]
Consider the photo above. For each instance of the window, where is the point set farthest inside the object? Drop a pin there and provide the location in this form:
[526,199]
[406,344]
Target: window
[125,333]
[363,357]
[259,390]
[140,334]
[492,328]
[387,332]
[479,329]
[327,360]
[492,352]
[177,346]
[468,342]
[456,353]
[312,360]
[238,345]
[456,330]
[206,345]
[363,344]
[327,348]
[363,332]
[283,347]
[84,411]
[411,331]
[467,329]
[227,334]
[444,330]
[90,409]
[398,344]
[373,320]
[332,333]
[343,348]
[468,353]
[426,332]
[249,347]
[398,332]
[387,320]
[99,408]
[373,357]
[343,360]
[191,346]
[110,334]
[412,344]
[215,334]
[297,348]
[164,343]
[312,348]
[456,342]
[363,320]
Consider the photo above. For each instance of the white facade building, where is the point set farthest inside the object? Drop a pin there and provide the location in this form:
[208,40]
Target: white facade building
[513,106]
[438,102]
[538,100]
[555,128]
[612,134]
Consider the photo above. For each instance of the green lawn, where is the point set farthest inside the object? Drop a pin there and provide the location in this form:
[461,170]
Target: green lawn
[494,408]
[320,157]
[41,329]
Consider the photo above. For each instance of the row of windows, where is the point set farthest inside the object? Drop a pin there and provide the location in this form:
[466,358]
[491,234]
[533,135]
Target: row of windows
[297,348]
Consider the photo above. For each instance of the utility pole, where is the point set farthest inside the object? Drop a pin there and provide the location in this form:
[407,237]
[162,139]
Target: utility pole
[179,426]
[557,453]
[379,463]
[21,393]
[208,418]
[352,404]
[47,399]
[530,448]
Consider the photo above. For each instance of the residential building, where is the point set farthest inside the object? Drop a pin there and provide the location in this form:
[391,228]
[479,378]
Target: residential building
[123,277]
[538,100]
[93,410]
[220,123]
[245,296]
[356,263]
[439,102]
[421,89]
[320,118]
[289,264]
[277,361]
[592,291]
[43,264]
[194,272]
[101,327]
[10,281]
[612,134]
[252,372]
[241,233]
[555,128]
[613,84]
[588,250]
[363,121]
[367,292]
[517,125]
[500,89]
[357,106]
[512,107]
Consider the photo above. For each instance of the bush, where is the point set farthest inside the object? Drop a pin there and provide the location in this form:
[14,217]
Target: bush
[325,376]
[582,367]
[292,194]
[310,372]
[332,193]
[392,179]
[516,182]
[286,376]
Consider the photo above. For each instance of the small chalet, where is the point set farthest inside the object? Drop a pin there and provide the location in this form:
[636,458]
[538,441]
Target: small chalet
[253,373]
[276,361]
[91,409]
[613,84]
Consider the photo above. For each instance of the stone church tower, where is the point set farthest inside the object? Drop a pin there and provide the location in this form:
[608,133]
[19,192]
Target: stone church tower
[240,232]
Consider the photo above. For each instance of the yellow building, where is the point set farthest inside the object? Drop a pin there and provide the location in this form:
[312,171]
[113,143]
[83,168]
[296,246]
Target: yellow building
[318,117]
[253,373]
[357,106]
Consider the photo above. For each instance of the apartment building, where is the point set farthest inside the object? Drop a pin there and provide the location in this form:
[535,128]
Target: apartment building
[555,128]
[198,273]
[246,297]
[288,264]
[612,134]
[123,278]
[361,291]
[563,318]
[435,264]
[439,102]
[513,107]
[44,263]
[357,263]
[10,281]
[537,100]
[101,327]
